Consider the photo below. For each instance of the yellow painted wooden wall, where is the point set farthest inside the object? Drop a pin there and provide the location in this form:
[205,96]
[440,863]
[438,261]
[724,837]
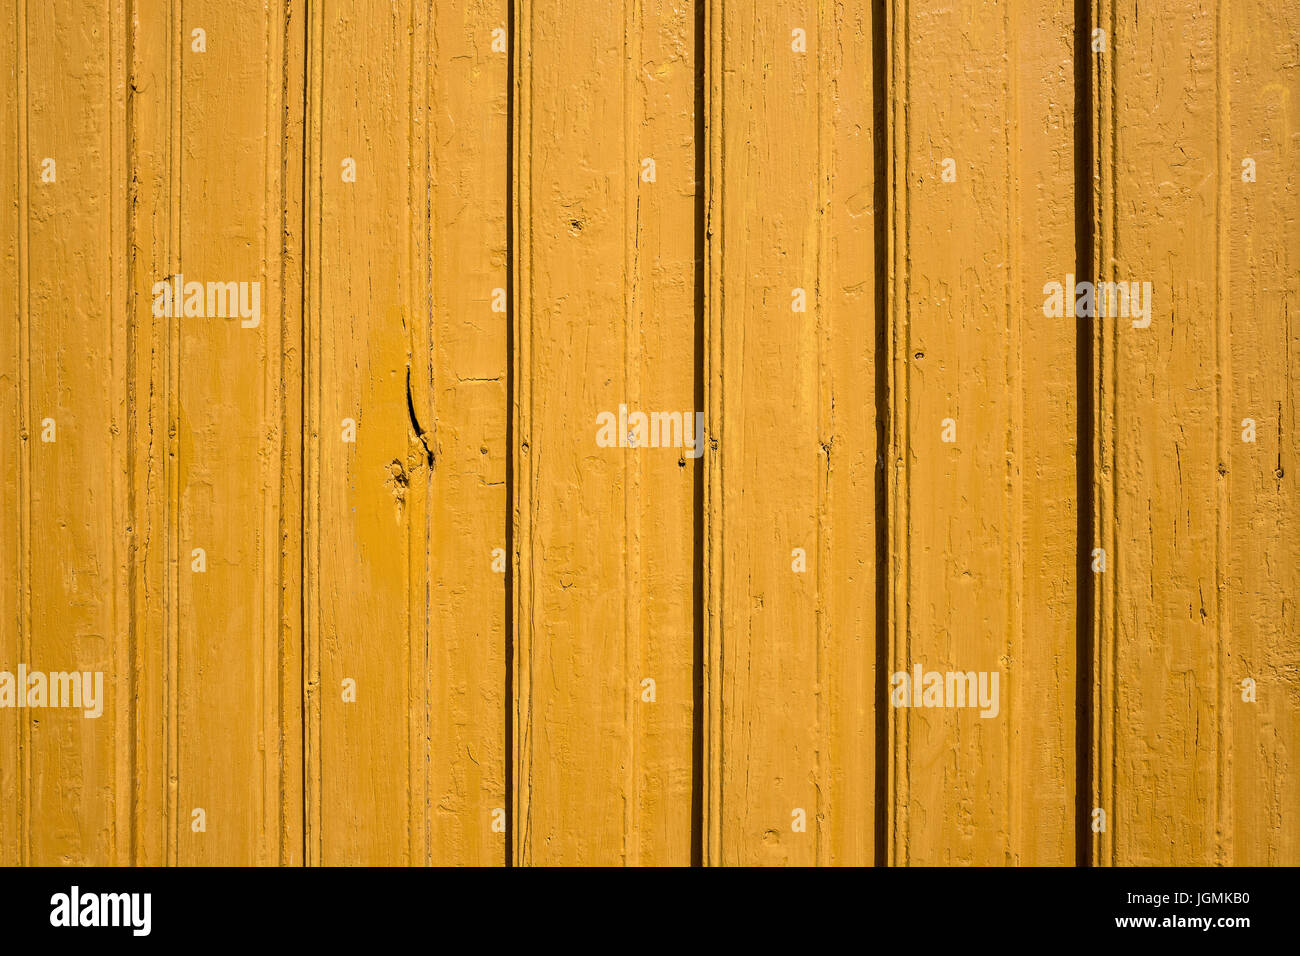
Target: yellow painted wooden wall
[366,580]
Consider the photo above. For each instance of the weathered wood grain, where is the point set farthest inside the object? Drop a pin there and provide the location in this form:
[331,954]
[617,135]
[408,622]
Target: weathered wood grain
[603,536]
[790,521]
[1198,524]
[982,453]
[372,579]
[466,400]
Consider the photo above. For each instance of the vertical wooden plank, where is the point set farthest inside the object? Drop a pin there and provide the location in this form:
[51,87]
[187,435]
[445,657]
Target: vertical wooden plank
[852,420]
[1263,90]
[14,186]
[1198,525]
[663,238]
[368,364]
[290,107]
[469,525]
[982,558]
[72,615]
[229,625]
[1161,618]
[792,489]
[1042,690]
[120,39]
[603,324]
[147,240]
[151,109]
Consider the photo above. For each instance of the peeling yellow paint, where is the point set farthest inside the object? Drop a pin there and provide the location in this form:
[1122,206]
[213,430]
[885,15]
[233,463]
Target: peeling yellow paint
[950,579]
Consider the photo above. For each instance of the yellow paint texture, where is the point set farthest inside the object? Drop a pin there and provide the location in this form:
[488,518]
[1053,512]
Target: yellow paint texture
[982,451]
[1199,523]
[792,457]
[420,558]
[603,537]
